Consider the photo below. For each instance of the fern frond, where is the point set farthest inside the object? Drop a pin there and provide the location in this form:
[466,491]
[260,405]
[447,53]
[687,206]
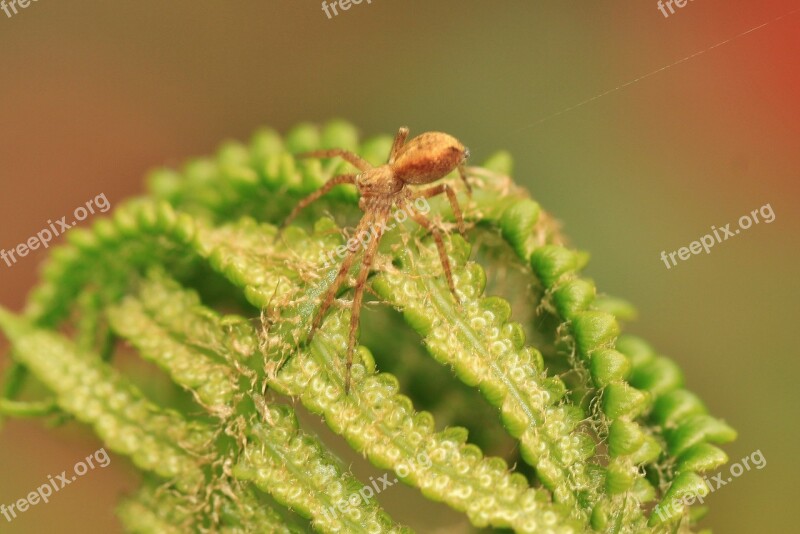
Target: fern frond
[196,279]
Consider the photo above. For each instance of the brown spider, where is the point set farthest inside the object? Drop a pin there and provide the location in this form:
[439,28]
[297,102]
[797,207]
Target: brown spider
[425,159]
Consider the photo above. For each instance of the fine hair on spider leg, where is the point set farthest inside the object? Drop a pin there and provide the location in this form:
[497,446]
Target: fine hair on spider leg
[424,159]
[341,276]
[330,184]
[428,225]
[369,218]
[355,313]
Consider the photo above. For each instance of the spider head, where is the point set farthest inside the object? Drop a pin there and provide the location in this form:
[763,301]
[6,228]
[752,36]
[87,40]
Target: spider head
[380,181]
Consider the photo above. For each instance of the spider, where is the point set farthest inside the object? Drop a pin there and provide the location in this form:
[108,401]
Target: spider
[423,160]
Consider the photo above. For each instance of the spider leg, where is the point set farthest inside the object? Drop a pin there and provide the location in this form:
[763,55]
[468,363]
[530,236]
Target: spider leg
[327,300]
[353,159]
[399,141]
[426,223]
[451,196]
[462,172]
[330,184]
[355,313]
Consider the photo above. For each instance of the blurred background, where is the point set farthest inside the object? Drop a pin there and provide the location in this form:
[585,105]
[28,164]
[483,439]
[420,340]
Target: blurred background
[696,122]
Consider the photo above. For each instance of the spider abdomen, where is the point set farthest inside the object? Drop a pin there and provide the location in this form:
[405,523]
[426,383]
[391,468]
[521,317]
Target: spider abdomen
[429,157]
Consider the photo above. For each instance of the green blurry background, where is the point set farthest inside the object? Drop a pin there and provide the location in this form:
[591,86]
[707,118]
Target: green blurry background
[96,93]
